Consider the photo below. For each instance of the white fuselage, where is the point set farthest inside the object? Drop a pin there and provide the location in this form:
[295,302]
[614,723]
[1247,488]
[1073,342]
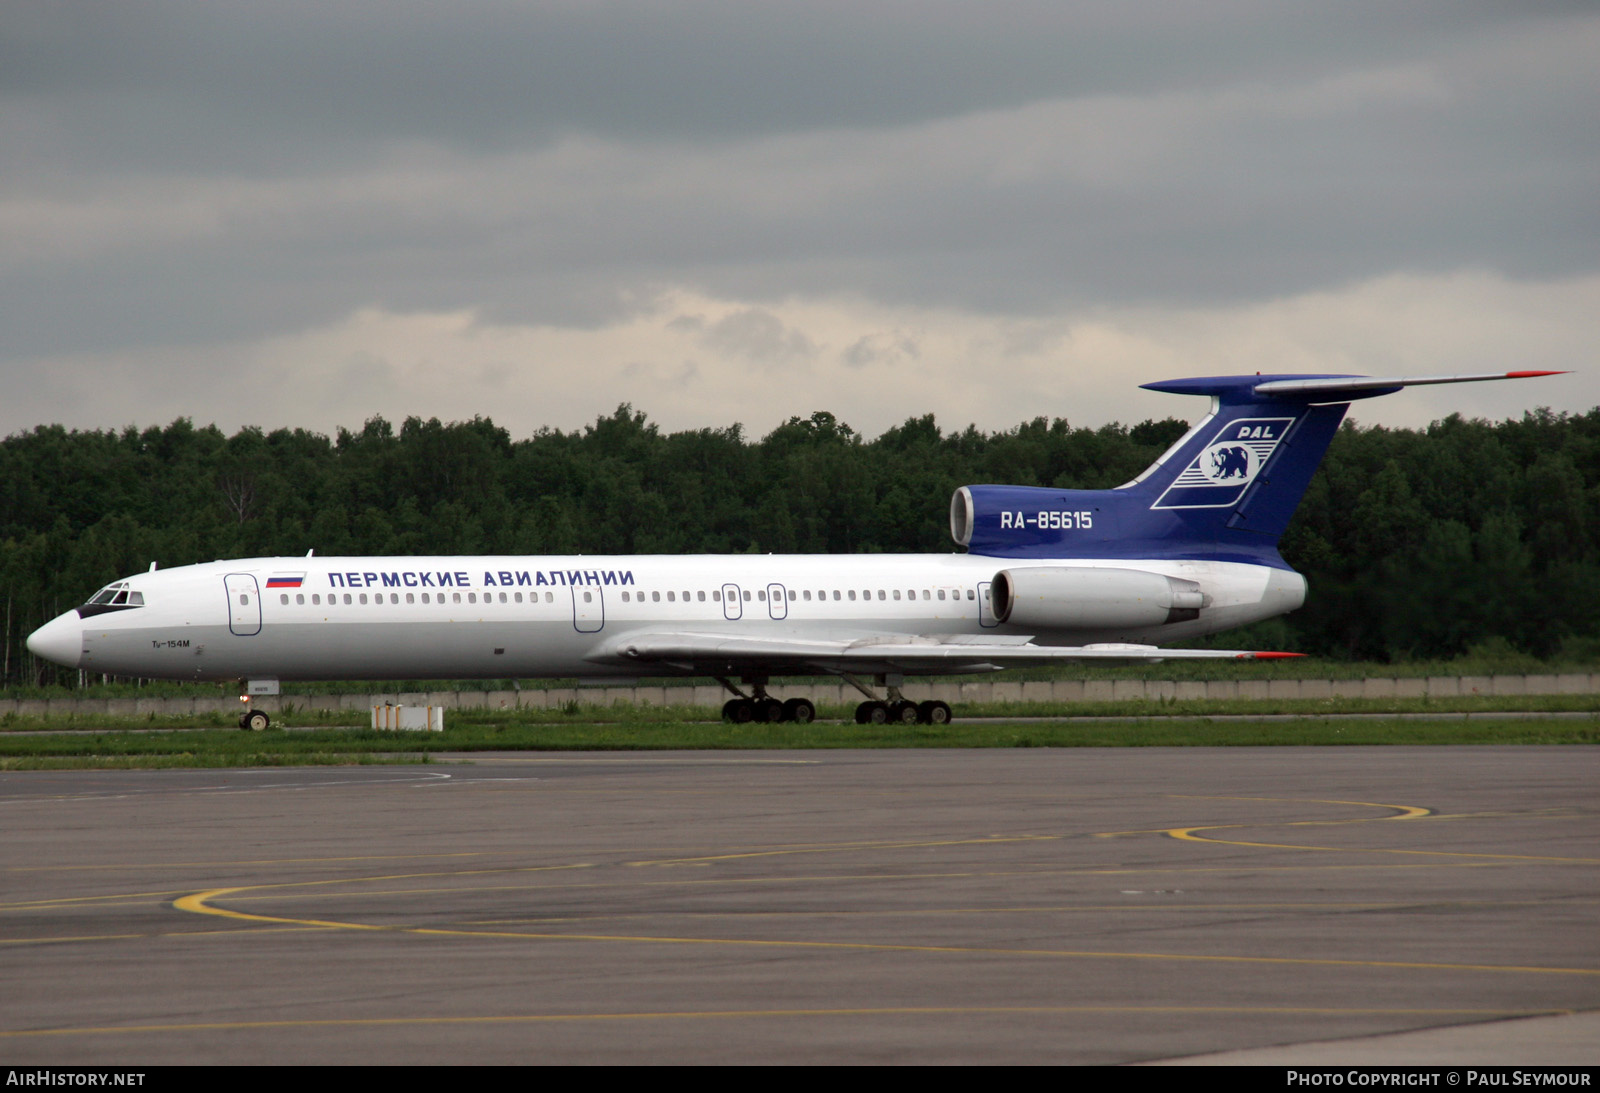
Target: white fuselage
[509,617]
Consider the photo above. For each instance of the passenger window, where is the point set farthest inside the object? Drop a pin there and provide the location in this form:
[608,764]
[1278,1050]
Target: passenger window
[941,593]
[970,596]
[411,597]
[655,597]
[316,598]
[283,598]
[716,596]
[808,595]
[363,597]
[852,593]
[836,594]
[549,597]
[472,597]
[881,596]
[762,596]
[897,593]
[456,596]
[244,601]
[747,596]
[702,596]
[670,598]
[518,597]
[394,597]
[502,597]
[588,597]
[347,597]
[686,597]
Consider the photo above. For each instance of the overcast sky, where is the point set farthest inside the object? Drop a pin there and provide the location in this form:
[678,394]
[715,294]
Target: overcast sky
[306,214]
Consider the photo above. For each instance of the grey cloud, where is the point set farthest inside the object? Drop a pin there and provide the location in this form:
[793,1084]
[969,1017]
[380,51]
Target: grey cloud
[880,348]
[266,87]
[180,172]
[761,337]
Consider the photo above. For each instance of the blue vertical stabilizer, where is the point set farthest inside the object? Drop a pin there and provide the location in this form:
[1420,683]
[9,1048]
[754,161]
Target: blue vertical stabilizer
[1224,492]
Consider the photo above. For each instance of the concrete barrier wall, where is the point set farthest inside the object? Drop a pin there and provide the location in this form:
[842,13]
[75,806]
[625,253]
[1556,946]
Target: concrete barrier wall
[979,690]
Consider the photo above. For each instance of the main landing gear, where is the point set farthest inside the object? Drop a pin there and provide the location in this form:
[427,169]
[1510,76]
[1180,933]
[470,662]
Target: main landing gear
[762,707]
[903,712]
[898,710]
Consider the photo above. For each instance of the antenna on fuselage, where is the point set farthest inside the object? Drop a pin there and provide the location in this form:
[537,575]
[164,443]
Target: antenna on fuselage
[310,552]
[152,567]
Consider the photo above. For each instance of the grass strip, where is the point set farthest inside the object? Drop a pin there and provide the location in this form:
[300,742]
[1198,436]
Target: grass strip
[582,714]
[333,747]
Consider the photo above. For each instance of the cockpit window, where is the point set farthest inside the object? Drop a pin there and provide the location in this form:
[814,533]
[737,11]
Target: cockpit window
[108,593]
[113,597]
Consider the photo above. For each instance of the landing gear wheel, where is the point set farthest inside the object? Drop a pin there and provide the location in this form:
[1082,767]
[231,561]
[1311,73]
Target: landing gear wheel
[256,721]
[800,711]
[740,711]
[769,711]
[903,712]
[934,713]
[872,713]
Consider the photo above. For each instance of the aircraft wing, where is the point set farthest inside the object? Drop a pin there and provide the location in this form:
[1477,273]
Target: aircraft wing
[722,654]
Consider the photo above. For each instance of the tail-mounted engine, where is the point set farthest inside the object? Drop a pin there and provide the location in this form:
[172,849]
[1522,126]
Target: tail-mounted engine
[1091,598]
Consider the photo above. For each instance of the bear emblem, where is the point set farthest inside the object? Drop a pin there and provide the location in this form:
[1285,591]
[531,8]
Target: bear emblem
[1230,461]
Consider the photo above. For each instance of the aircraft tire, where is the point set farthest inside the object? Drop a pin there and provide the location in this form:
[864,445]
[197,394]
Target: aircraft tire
[741,711]
[800,711]
[934,713]
[769,711]
[257,720]
[903,713]
[872,713]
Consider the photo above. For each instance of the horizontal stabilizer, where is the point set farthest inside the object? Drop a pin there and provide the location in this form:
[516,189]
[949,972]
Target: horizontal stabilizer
[1351,387]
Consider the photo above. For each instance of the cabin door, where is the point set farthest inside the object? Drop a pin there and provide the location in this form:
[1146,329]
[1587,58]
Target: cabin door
[986,606]
[777,601]
[588,608]
[244,604]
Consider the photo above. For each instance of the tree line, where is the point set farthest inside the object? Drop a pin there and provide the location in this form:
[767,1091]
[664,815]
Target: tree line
[1416,543]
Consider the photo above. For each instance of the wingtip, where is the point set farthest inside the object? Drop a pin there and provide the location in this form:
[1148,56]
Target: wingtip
[1268,655]
[1528,374]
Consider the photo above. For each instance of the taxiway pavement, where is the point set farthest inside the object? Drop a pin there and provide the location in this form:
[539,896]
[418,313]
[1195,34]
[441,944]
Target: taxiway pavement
[1024,905]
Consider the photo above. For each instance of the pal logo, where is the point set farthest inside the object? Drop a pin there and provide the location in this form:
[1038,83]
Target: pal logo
[1217,477]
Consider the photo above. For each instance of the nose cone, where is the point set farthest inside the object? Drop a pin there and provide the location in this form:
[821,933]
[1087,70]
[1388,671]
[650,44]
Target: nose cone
[59,640]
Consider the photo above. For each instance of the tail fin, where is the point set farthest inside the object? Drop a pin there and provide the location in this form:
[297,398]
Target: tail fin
[1225,491]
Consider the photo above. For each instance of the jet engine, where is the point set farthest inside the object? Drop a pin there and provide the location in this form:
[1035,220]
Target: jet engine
[1092,598]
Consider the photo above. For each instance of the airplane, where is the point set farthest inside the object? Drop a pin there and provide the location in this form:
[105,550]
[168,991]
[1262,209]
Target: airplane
[1188,548]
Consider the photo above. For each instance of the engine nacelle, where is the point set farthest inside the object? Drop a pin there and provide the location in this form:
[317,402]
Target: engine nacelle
[1087,598]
